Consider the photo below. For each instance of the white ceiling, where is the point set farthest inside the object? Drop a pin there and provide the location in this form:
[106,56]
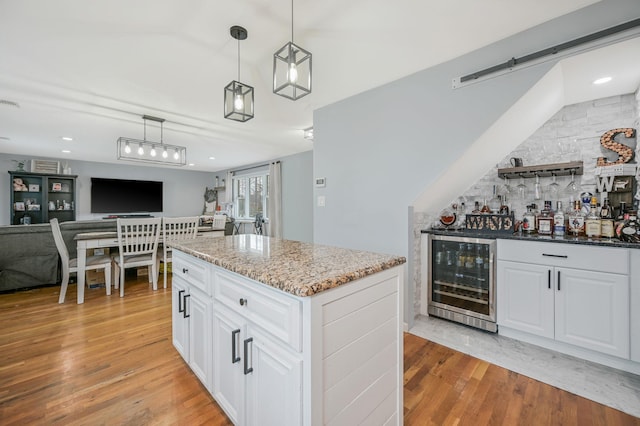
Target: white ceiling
[91,69]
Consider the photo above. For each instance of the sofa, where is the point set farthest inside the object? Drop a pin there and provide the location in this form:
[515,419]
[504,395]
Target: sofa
[28,254]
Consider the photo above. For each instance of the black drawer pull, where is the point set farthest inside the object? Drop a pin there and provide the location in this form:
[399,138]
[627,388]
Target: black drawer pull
[185,306]
[243,302]
[247,369]
[234,345]
[562,256]
[558,280]
[185,270]
[549,279]
[180,307]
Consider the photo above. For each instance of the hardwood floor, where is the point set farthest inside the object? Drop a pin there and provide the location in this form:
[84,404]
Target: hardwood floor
[111,361]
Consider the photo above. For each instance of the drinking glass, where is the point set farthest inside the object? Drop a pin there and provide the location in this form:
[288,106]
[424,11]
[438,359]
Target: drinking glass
[573,185]
[553,188]
[537,189]
[522,189]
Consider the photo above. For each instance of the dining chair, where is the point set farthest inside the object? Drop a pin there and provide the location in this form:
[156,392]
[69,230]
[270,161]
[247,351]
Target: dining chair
[176,229]
[71,265]
[219,221]
[258,223]
[138,245]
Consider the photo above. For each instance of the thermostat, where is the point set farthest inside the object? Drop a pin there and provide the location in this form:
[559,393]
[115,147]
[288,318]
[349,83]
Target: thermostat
[321,182]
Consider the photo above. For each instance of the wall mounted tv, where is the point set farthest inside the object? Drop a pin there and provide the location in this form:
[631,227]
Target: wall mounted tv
[125,196]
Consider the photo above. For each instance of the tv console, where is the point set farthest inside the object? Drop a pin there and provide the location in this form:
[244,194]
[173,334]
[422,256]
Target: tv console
[116,216]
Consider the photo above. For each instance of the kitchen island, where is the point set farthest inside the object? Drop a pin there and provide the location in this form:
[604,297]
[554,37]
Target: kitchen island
[288,333]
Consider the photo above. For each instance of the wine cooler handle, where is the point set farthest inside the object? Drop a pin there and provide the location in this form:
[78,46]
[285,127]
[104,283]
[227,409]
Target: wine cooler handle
[247,369]
[234,346]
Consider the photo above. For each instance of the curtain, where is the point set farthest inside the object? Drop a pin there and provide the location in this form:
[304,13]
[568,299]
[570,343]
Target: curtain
[275,200]
[228,191]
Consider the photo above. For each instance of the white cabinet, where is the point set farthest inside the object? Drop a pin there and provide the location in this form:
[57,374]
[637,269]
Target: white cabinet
[573,294]
[258,377]
[191,314]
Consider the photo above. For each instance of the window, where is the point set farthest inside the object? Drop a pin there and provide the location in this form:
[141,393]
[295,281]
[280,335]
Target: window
[251,194]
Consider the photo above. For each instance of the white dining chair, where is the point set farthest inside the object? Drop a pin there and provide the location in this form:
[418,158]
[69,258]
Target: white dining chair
[176,229]
[71,265]
[219,221]
[138,245]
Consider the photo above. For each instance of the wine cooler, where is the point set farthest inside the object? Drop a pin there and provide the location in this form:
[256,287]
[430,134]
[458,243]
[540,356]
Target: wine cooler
[462,280]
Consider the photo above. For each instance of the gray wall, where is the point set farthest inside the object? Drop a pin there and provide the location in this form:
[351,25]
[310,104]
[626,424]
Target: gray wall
[379,150]
[183,189]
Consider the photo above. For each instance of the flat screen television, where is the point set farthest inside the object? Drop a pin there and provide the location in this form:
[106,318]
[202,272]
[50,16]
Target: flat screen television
[125,196]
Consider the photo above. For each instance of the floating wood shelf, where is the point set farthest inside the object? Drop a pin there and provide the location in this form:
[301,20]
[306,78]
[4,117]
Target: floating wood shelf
[543,170]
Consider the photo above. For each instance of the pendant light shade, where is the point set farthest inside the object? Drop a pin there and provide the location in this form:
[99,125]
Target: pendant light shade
[238,97]
[292,69]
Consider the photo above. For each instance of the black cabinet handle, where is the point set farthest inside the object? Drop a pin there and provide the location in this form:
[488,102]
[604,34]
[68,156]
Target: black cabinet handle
[243,302]
[185,270]
[549,279]
[180,307]
[558,280]
[185,306]
[234,344]
[562,256]
[247,369]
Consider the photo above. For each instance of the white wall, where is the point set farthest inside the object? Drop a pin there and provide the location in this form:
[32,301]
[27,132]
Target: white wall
[183,189]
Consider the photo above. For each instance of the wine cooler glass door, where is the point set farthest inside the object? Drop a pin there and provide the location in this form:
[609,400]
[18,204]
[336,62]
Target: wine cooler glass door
[461,277]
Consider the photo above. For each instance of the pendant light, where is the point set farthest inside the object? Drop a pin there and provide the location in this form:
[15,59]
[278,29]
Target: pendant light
[146,151]
[292,69]
[238,97]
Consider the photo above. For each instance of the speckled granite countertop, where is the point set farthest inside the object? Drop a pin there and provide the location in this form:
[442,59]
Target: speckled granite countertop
[567,239]
[302,269]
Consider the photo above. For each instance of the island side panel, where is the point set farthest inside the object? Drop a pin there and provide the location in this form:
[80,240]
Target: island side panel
[354,336]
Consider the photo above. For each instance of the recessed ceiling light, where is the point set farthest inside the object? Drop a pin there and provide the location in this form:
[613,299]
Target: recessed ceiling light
[67,138]
[66,151]
[212,158]
[191,164]
[602,80]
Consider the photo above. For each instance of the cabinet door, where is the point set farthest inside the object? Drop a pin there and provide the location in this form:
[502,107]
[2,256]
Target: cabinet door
[198,308]
[229,331]
[592,310]
[525,297]
[274,386]
[180,324]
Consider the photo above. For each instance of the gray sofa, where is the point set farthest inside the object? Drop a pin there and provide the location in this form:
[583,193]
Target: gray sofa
[28,254]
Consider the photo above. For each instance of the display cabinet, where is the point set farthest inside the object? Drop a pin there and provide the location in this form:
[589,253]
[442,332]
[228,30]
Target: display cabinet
[36,197]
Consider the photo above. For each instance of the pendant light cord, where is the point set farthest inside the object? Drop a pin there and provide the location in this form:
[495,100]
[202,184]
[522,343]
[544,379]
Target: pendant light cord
[238,60]
[291,21]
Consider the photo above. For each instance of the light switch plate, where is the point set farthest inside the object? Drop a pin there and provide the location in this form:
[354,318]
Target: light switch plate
[321,200]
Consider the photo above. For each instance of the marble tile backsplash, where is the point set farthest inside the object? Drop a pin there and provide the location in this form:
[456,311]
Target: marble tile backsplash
[572,134]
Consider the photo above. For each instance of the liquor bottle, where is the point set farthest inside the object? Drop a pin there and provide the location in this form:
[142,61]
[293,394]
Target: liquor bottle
[545,220]
[529,220]
[495,202]
[606,220]
[485,208]
[559,228]
[592,224]
[576,220]
[504,208]
[476,208]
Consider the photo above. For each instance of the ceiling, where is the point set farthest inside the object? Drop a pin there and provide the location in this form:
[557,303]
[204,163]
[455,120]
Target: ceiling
[90,69]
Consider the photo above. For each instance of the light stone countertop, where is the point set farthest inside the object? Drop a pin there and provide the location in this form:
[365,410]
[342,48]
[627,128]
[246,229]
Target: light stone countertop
[302,269]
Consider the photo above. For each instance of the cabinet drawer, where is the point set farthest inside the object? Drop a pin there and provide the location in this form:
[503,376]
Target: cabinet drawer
[591,258]
[274,311]
[194,271]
